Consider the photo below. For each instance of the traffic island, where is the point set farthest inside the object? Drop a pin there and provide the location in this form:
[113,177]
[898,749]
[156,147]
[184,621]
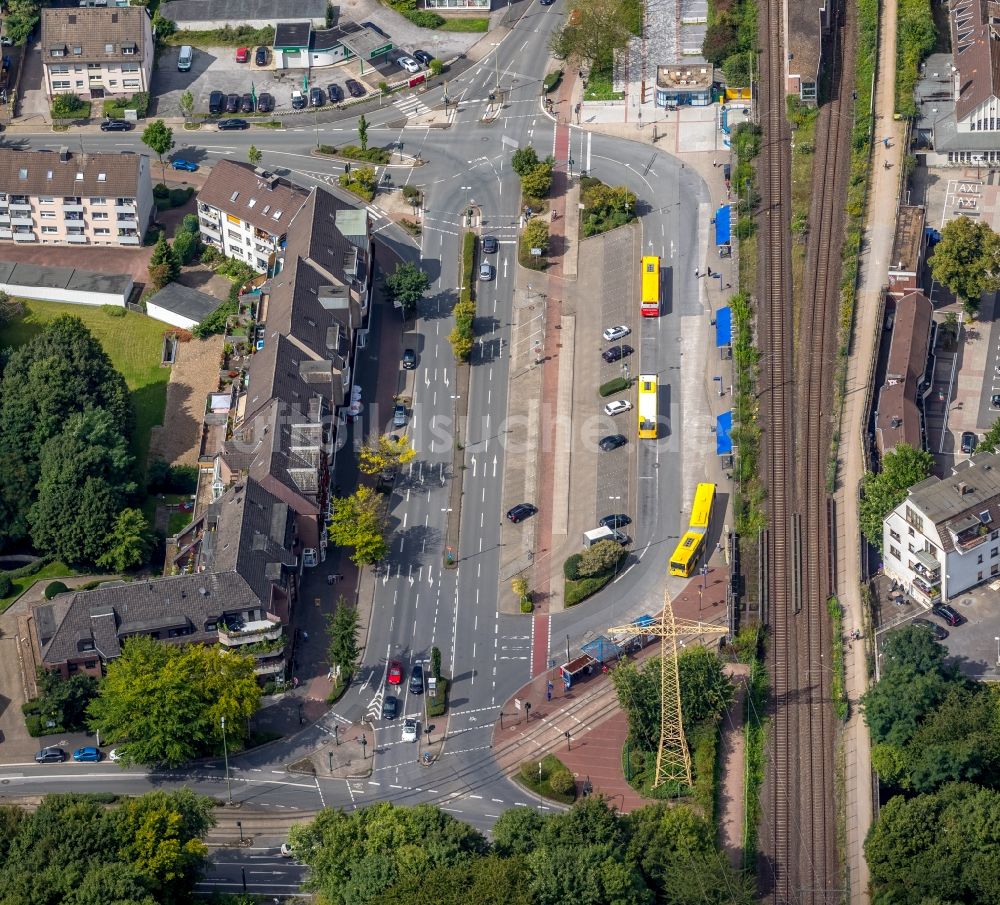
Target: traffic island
[347,755]
[548,778]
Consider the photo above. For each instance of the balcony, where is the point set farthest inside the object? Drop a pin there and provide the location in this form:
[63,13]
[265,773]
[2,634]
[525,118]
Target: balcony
[210,230]
[21,220]
[125,209]
[208,213]
[20,206]
[269,667]
[20,236]
[73,207]
[925,593]
[250,633]
[75,239]
[125,222]
[128,240]
[926,566]
[5,233]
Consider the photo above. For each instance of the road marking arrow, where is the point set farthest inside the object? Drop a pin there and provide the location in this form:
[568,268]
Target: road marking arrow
[494,466]
[473,466]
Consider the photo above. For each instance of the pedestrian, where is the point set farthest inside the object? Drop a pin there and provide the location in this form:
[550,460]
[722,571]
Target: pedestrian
[709,271]
[305,636]
[715,163]
[729,285]
[696,272]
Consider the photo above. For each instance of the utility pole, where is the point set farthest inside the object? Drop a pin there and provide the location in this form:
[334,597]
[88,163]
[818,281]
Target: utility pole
[225,754]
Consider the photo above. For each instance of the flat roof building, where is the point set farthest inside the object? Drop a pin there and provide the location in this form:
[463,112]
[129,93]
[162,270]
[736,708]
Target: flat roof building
[908,249]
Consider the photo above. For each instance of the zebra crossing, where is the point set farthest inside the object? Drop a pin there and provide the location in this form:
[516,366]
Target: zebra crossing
[411,105]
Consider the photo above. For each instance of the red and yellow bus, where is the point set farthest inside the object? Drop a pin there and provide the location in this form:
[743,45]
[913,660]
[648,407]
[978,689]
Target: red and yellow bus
[650,287]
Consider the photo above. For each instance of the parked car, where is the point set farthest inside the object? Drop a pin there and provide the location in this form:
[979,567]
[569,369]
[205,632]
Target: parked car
[969,441]
[409,360]
[485,271]
[613,333]
[395,674]
[948,614]
[227,125]
[546,2]
[617,407]
[180,164]
[298,100]
[409,64]
[520,512]
[374,28]
[260,56]
[315,97]
[355,88]
[116,125]
[417,679]
[423,56]
[242,54]
[336,93]
[216,102]
[995,400]
[612,441]
[50,755]
[490,245]
[936,630]
[232,103]
[410,730]
[616,353]
[395,55]
[399,415]
[265,102]
[390,707]
[246,103]
[615,521]
[86,755]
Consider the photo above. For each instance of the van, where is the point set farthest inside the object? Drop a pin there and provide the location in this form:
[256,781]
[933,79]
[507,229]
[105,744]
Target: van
[603,533]
[185,57]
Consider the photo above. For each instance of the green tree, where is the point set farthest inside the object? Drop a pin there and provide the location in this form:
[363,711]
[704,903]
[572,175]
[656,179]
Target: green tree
[913,647]
[594,30]
[536,235]
[187,248]
[436,662]
[967,260]
[343,650]
[406,285]
[537,182]
[383,454]
[168,701]
[598,558]
[128,544]
[357,522]
[20,20]
[706,690]
[159,138]
[524,160]
[254,156]
[638,691]
[164,253]
[9,308]
[186,104]
[437,67]
[517,832]
[896,704]
[902,467]
[65,701]
[363,132]
[990,440]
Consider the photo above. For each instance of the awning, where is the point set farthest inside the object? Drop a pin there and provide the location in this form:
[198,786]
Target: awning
[723,438]
[724,327]
[722,225]
[602,649]
[927,561]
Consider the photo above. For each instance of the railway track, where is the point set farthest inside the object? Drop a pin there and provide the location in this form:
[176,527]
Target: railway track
[799,858]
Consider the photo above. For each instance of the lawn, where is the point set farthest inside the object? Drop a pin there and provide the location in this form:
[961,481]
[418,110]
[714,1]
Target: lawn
[134,344]
[600,86]
[471,24]
[46,573]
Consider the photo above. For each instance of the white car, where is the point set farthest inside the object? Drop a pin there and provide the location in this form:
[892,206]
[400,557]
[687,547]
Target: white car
[409,730]
[613,333]
[617,407]
[409,64]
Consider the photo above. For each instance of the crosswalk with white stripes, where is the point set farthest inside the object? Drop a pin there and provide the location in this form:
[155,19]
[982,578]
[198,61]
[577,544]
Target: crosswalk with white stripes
[411,105]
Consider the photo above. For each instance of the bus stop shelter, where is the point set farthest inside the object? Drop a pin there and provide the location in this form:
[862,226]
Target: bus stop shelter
[724,330]
[724,437]
[723,230]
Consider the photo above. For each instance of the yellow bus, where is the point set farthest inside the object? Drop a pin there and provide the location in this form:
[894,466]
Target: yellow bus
[701,509]
[686,555]
[650,287]
[647,407]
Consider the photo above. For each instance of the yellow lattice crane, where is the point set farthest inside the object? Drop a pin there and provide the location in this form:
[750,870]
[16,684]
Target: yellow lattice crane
[673,759]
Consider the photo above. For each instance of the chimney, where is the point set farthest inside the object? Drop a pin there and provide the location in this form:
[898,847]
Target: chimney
[963,488]
[64,154]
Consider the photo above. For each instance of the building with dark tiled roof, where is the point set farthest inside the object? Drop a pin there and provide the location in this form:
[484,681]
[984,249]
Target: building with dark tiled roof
[808,23]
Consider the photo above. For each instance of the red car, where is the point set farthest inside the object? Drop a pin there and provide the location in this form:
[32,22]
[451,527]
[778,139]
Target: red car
[242,54]
[395,676]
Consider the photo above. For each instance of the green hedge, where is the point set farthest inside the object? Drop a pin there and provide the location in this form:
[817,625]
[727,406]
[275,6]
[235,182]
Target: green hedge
[552,81]
[572,566]
[614,386]
[370,155]
[242,36]
[424,19]
[754,760]
[915,39]
[552,768]
[438,705]
[53,588]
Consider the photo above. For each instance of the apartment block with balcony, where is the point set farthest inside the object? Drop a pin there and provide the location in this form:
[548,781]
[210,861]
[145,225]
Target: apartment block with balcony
[74,199]
[245,212]
[944,538]
[97,52]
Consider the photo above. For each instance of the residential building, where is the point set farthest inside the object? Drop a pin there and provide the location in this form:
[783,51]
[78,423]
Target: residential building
[909,248]
[205,15]
[807,26]
[900,415]
[76,199]
[687,85]
[236,583]
[245,212]
[944,538]
[96,52]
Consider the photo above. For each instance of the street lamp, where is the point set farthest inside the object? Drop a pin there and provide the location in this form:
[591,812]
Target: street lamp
[336,736]
[239,826]
[364,748]
[568,738]
[225,754]
[301,719]
[539,785]
[997,639]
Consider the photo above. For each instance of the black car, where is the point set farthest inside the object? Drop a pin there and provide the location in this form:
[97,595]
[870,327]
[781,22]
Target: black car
[969,441]
[949,615]
[612,441]
[228,124]
[995,400]
[417,679]
[409,360]
[265,103]
[939,633]
[520,512]
[335,93]
[546,2]
[374,28]
[390,707]
[422,56]
[298,100]
[232,103]
[615,521]
[216,102]
[616,353]
[50,755]
[315,97]
[246,103]
[355,88]
[115,125]
[260,56]
[490,245]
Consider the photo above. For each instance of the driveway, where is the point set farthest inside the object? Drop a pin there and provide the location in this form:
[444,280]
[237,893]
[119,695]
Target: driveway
[34,104]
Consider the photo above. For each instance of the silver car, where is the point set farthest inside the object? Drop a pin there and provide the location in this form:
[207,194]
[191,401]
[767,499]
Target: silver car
[485,272]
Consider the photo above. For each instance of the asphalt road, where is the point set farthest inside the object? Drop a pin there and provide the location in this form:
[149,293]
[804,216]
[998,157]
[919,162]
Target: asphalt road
[419,604]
